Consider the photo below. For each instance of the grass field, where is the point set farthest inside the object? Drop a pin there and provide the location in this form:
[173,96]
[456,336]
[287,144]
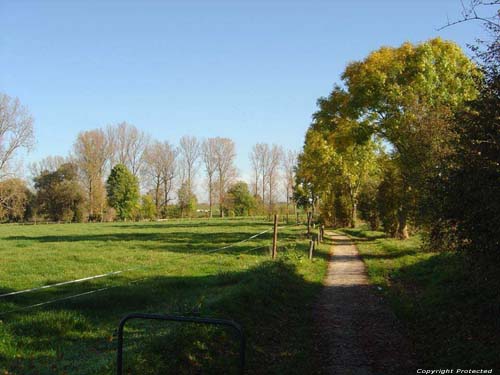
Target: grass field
[451,311]
[172,267]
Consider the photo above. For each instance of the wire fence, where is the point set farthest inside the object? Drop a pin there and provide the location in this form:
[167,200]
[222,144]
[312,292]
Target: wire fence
[114,273]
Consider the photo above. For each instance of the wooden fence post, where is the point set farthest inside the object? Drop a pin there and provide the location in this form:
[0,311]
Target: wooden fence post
[309,224]
[275,237]
[311,248]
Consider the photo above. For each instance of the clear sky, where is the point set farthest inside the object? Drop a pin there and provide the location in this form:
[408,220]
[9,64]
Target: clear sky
[248,70]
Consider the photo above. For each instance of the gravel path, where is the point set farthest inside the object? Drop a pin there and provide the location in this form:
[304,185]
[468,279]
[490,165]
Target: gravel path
[357,333]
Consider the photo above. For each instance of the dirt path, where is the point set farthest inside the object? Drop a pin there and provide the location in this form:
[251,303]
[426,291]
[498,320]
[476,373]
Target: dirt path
[357,332]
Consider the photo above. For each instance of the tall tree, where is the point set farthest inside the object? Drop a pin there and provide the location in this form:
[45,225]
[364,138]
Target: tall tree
[465,205]
[127,146]
[123,191]
[240,201]
[49,164]
[14,199]
[225,154]
[255,161]
[189,150]
[407,96]
[289,166]
[186,200]
[59,195]
[160,170]
[275,158]
[260,159]
[208,153]
[16,130]
[92,153]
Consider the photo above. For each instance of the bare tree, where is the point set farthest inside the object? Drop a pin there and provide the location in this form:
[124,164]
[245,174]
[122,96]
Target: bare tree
[92,153]
[289,165]
[260,160]
[49,163]
[189,149]
[225,154]
[208,153]
[127,146]
[16,130]
[255,162]
[471,12]
[160,170]
[275,158]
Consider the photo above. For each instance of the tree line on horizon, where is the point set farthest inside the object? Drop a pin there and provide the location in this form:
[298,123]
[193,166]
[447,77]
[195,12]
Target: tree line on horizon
[120,172]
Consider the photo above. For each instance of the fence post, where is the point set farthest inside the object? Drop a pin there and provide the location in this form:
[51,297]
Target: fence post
[309,224]
[311,248]
[275,236]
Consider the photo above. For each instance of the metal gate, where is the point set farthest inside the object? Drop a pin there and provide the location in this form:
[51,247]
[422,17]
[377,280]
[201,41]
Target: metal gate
[186,319]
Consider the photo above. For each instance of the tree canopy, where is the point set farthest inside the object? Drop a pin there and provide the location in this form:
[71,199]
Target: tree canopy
[123,191]
[400,98]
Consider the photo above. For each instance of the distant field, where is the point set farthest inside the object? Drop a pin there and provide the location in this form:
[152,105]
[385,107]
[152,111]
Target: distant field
[170,267]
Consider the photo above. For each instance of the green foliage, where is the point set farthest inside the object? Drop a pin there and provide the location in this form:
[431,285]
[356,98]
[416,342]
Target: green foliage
[403,98]
[466,205]
[186,200]
[59,195]
[368,205]
[408,95]
[15,197]
[240,200]
[334,164]
[148,207]
[390,198]
[123,191]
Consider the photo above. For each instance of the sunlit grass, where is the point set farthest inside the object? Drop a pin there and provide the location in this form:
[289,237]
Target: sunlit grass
[180,273]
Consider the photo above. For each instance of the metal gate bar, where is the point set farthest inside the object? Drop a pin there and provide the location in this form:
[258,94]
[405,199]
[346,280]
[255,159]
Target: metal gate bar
[224,322]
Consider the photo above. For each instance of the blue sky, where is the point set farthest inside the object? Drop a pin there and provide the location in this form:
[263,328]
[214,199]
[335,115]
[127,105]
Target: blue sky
[248,70]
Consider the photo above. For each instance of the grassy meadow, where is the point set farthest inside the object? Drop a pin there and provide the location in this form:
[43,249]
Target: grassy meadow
[174,267]
[452,312]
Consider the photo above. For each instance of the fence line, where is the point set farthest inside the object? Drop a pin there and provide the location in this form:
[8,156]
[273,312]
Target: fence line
[113,273]
[129,283]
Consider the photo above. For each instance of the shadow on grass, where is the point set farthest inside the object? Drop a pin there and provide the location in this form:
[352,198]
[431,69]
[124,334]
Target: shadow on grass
[175,242]
[76,336]
[363,235]
[193,223]
[452,311]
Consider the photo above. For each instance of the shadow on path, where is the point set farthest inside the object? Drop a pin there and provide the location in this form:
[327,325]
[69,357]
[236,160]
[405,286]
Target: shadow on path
[358,333]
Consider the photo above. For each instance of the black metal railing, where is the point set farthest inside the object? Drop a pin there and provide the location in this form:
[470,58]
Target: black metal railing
[185,319]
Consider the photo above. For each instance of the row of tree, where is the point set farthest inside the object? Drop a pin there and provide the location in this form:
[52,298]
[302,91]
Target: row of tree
[411,140]
[109,168]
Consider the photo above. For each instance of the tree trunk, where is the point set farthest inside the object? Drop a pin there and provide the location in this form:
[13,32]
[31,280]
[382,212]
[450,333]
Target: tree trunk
[270,194]
[402,232]
[263,190]
[210,201]
[354,213]
[221,197]
[91,201]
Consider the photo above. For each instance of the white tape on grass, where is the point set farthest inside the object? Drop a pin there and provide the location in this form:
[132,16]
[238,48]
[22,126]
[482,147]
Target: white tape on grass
[96,290]
[48,286]
[129,283]
[64,283]
[66,298]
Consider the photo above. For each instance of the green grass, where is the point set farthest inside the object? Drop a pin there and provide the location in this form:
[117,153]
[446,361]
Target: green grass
[271,299]
[451,309]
